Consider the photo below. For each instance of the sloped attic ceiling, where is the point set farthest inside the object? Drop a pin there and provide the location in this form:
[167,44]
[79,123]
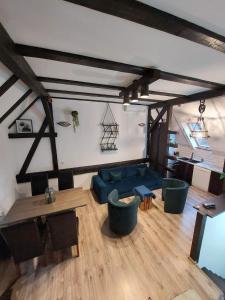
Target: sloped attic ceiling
[63,26]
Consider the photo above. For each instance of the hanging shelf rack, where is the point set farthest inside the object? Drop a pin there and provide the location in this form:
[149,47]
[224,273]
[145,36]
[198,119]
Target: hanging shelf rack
[110,131]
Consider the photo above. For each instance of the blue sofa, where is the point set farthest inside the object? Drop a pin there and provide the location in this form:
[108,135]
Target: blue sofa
[124,179]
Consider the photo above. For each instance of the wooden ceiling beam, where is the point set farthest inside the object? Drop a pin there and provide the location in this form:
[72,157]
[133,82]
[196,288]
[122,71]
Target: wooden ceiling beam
[7,85]
[33,148]
[100,86]
[17,64]
[192,98]
[23,112]
[15,105]
[149,77]
[94,95]
[152,17]
[165,94]
[158,118]
[97,101]
[189,80]
[82,93]
[80,83]
[31,51]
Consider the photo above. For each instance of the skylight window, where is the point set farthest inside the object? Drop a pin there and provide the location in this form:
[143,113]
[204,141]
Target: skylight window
[196,142]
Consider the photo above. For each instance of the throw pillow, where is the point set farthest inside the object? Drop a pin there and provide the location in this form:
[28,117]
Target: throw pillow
[142,171]
[116,176]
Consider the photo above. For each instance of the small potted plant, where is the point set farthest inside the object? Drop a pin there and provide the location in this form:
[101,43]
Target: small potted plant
[75,119]
[222,176]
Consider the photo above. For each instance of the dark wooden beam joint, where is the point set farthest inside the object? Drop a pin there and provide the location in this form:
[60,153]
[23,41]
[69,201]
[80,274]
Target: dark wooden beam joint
[149,77]
[157,119]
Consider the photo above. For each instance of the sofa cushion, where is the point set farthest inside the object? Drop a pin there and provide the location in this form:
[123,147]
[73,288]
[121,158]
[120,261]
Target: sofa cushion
[115,176]
[142,171]
[105,173]
[123,186]
[133,170]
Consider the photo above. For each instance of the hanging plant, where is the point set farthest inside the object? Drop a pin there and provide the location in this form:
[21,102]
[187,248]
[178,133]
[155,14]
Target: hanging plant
[75,119]
[222,176]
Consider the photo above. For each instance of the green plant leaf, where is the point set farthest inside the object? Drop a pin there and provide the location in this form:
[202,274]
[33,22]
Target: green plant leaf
[222,176]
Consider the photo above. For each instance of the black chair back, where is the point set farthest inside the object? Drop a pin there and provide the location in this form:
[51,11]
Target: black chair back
[4,249]
[24,240]
[63,229]
[39,183]
[65,180]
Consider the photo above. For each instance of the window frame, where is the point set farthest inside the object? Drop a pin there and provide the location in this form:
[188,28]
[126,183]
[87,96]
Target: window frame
[187,127]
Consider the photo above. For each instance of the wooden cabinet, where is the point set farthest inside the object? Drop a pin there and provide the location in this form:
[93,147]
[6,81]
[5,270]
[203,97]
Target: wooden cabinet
[184,171]
[216,186]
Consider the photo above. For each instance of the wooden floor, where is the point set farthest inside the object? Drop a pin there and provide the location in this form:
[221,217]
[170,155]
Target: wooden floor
[150,264]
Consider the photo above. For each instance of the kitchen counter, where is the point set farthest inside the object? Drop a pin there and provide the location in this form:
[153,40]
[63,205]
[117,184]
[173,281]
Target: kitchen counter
[204,165]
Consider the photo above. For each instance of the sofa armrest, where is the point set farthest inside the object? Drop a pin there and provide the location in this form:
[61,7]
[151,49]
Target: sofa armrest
[98,182]
[100,188]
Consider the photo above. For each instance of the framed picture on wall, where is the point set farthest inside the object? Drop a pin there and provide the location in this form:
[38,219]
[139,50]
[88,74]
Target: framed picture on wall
[24,126]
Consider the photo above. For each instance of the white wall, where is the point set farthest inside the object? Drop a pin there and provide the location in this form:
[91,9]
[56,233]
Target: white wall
[8,154]
[213,246]
[81,148]
[75,149]
[7,175]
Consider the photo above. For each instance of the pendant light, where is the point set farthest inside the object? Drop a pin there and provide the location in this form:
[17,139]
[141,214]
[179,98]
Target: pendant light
[134,96]
[199,130]
[126,100]
[144,90]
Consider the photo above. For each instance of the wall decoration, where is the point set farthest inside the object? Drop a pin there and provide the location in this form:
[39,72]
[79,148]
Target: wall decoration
[141,124]
[110,131]
[64,123]
[24,126]
[75,119]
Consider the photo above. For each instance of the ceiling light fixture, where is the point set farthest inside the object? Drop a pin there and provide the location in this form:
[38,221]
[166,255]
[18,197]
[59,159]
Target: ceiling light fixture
[144,90]
[199,130]
[126,100]
[134,96]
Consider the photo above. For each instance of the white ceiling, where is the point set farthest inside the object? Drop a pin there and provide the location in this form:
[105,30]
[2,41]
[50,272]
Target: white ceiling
[205,13]
[63,26]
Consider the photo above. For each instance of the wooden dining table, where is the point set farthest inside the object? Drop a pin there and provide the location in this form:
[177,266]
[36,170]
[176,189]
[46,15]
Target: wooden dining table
[36,206]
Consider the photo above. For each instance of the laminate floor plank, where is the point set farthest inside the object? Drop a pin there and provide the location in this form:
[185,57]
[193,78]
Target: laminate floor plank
[149,264]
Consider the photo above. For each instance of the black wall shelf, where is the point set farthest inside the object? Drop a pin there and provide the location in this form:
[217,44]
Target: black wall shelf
[27,135]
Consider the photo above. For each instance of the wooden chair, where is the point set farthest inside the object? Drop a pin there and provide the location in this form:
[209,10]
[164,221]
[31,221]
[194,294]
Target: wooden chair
[65,180]
[4,249]
[39,183]
[63,229]
[24,241]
